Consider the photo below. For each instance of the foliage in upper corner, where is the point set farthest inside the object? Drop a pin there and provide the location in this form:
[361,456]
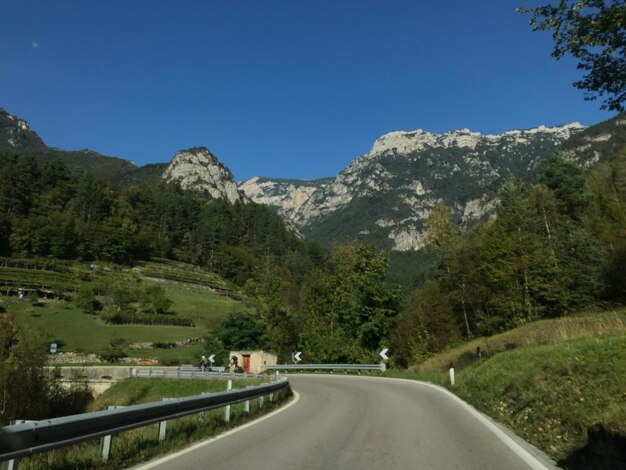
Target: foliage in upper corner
[594,32]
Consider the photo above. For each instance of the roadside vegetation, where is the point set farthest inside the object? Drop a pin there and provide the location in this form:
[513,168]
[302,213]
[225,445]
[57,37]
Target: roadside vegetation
[560,384]
[142,444]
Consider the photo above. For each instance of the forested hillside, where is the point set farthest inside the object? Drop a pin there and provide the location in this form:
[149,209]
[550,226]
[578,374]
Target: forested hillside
[554,247]
[45,210]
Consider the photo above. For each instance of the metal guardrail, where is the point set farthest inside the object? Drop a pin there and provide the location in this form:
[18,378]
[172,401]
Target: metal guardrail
[182,373]
[357,367]
[21,440]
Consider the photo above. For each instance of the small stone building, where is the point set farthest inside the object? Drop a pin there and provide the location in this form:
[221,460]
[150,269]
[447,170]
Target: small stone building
[254,361]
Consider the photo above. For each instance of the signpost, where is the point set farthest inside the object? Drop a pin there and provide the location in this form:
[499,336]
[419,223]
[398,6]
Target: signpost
[296,356]
[381,354]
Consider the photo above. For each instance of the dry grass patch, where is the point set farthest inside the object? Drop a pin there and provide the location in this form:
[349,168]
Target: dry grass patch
[539,333]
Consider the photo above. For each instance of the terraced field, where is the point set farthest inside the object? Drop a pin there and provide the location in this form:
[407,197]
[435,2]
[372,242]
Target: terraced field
[197,295]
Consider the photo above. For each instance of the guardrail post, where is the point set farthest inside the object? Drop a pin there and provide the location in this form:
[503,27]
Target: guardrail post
[227,407]
[451,367]
[163,424]
[261,399]
[105,442]
[201,414]
[162,429]
[14,463]
[246,407]
[105,447]
[10,464]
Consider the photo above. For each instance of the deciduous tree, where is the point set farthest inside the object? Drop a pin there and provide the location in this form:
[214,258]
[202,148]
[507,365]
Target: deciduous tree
[594,32]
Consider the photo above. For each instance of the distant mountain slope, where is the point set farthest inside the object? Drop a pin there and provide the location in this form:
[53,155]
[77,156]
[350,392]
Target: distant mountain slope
[285,195]
[15,135]
[150,174]
[194,168]
[383,197]
[597,142]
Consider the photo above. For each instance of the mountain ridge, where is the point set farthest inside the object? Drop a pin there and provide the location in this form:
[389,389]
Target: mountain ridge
[385,195]
[382,197]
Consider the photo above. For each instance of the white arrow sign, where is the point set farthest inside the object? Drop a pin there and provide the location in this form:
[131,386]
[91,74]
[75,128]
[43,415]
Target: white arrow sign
[383,354]
[212,358]
[296,356]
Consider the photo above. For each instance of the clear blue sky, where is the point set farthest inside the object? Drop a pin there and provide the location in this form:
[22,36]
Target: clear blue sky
[289,88]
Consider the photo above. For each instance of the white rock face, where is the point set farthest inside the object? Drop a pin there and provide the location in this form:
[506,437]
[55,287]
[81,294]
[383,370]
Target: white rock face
[393,189]
[286,196]
[477,208]
[408,238]
[419,189]
[599,138]
[15,132]
[404,142]
[198,169]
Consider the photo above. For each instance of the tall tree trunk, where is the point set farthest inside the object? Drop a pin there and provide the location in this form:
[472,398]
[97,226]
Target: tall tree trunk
[467,327]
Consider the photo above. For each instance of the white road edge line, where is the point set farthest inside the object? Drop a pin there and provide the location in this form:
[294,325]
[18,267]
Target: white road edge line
[526,456]
[162,460]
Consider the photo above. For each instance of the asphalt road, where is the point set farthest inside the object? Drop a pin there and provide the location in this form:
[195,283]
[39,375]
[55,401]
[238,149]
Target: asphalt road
[351,422]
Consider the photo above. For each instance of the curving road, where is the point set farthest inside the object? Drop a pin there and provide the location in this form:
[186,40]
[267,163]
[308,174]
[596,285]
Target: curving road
[351,422]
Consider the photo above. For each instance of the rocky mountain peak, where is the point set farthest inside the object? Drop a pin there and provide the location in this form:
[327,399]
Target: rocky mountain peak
[405,142]
[385,196]
[199,169]
[15,133]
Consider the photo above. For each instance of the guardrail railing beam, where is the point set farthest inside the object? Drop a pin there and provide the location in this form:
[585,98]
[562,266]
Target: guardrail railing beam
[329,367]
[28,438]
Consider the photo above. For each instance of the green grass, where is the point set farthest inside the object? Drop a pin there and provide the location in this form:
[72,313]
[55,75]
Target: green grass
[551,395]
[189,354]
[135,391]
[88,333]
[79,332]
[139,445]
[206,309]
[550,381]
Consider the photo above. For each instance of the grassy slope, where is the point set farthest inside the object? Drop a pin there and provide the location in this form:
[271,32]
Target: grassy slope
[549,381]
[206,309]
[537,333]
[135,391]
[551,395]
[64,321]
